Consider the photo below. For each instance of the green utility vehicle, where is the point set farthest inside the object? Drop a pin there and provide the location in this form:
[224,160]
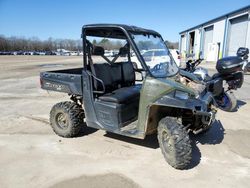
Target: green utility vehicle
[113,94]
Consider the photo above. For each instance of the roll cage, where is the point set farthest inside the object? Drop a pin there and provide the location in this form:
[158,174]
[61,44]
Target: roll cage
[117,31]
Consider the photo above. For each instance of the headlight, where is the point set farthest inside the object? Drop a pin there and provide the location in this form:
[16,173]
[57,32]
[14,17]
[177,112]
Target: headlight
[181,95]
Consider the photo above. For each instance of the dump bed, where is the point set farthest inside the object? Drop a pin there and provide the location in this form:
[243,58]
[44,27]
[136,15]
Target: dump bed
[67,81]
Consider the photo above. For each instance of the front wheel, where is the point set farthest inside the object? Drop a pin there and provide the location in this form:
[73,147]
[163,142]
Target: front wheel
[227,102]
[174,143]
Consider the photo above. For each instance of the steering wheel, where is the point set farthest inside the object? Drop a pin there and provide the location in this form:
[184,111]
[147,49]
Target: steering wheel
[156,67]
[161,69]
[159,66]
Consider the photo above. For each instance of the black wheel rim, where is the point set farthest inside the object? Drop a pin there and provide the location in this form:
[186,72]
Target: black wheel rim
[61,121]
[167,142]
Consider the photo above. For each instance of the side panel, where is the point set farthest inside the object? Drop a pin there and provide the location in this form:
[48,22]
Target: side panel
[61,82]
[98,114]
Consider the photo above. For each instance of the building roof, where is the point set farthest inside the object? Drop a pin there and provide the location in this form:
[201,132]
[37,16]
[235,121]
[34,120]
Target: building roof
[217,18]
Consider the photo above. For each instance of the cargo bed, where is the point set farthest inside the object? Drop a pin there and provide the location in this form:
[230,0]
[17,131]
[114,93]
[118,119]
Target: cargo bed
[66,81]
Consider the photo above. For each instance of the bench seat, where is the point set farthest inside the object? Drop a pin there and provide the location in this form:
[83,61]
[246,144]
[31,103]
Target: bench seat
[123,95]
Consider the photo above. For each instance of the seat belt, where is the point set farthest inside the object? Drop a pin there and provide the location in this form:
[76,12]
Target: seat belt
[91,64]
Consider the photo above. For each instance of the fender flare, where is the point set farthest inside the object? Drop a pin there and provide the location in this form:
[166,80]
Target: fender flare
[172,103]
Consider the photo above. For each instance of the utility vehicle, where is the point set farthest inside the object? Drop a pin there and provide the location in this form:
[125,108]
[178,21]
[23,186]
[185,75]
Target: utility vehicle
[115,96]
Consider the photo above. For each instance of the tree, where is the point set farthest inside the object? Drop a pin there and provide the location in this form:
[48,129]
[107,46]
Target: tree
[172,45]
[34,44]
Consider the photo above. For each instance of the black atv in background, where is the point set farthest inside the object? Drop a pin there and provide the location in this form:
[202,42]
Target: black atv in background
[230,70]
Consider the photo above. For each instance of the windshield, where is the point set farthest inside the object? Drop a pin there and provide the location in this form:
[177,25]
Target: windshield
[156,55]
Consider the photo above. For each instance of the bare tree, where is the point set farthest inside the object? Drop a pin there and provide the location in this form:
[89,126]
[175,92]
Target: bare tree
[34,44]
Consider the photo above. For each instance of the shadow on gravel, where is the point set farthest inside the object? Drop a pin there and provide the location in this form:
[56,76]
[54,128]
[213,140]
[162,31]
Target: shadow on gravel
[150,141]
[86,131]
[240,103]
[213,136]
[110,180]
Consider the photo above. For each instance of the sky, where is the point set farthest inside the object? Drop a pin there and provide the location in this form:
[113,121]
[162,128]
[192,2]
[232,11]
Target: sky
[64,19]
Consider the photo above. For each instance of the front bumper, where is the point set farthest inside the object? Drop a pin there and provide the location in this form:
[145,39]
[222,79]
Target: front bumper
[207,117]
[201,103]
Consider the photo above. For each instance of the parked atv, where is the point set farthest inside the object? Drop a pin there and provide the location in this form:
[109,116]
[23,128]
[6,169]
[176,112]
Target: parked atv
[230,69]
[109,96]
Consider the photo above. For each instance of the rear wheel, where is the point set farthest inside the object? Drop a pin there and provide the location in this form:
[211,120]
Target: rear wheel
[66,119]
[227,102]
[174,143]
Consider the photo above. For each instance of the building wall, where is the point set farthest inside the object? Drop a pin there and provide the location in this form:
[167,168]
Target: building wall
[231,18]
[220,32]
[248,33]
[197,42]
[183,45]
[218,37]
[207,40]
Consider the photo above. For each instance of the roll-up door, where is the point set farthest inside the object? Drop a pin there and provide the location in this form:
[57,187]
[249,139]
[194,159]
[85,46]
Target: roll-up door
[208,38]
[237,34]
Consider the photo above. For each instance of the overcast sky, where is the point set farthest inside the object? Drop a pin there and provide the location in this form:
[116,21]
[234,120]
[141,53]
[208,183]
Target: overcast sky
[64,19]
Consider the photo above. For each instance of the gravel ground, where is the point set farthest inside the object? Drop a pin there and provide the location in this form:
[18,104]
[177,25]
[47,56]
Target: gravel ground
[31,155]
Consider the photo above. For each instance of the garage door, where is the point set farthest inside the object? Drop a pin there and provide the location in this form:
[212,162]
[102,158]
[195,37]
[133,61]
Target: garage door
[237,34]
[208,38]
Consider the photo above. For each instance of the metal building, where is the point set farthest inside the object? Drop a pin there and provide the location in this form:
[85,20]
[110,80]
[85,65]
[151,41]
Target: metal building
[218,37]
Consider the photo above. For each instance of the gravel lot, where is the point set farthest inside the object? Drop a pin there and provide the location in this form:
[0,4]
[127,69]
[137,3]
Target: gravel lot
[31,155]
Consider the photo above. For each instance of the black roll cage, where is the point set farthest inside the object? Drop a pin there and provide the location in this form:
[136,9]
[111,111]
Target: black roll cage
[90,45]
[126,31]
